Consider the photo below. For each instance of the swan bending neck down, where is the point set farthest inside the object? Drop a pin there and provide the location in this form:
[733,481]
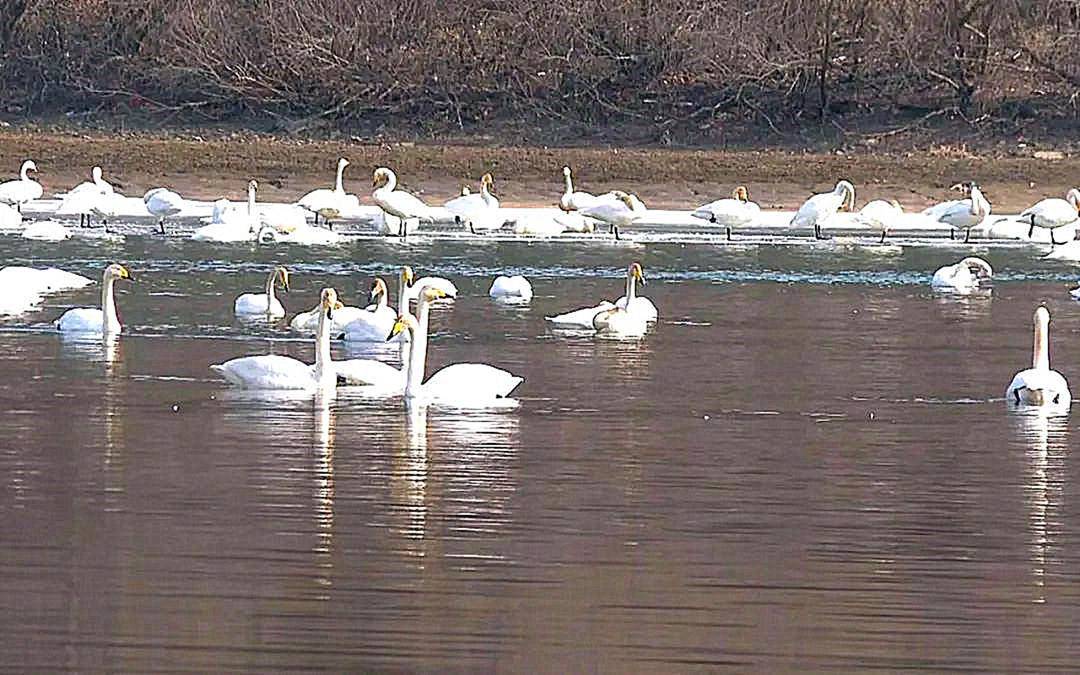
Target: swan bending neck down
[467,384]
[1039,385]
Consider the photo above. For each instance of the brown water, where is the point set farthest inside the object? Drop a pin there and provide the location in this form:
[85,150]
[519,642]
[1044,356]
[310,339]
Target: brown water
[807,466]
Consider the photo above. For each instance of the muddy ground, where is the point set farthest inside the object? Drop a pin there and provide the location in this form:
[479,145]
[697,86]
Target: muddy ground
[208,168]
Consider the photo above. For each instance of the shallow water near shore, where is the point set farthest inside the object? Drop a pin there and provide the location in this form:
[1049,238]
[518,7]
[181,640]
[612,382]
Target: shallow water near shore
[806,465]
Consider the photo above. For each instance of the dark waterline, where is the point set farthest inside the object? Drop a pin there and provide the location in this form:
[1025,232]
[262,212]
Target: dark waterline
[807,466]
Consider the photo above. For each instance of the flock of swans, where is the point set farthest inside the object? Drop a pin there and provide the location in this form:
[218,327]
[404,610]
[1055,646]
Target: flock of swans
[401,212]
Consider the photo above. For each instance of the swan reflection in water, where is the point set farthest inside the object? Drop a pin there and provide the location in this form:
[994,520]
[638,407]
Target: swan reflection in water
[457,463]
[1046,439]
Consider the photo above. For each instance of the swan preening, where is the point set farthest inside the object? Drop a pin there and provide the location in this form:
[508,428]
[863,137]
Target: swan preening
[273,371]
[462,384]
[230,224]
[15,193]
[585,318]
[398,203]
[1039,385]
[266,303]
[163,202]
[91,320]
[879,214]
[331,204]
[965,277]
[25,287]
[1051,214]
[821,207]
[735,211]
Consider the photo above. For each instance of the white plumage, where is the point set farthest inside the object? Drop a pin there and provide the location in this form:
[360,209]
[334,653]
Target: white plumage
[96,320]
[515,290]
[817,210]
[966,276]
[331,204]
[398,203]
[15,193]
[264,304]
[1051,214]
[735,211]
[1039,385]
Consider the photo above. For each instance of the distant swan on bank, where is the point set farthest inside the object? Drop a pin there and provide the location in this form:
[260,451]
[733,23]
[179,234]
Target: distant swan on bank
[735,211]
[819,208]
[15,193]
[331,204]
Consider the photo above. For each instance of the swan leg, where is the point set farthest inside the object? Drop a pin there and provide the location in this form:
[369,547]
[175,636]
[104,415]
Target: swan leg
[967,235]
[728,230]
[882,237]
[615,230]
[817,231]
[161,225]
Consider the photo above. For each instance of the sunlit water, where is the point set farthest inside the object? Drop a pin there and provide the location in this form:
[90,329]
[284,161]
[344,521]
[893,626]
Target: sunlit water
[806,466]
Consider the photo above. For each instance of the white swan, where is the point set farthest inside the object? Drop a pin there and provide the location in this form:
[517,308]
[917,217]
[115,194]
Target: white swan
[412,292]
[515,290]
[374,323]
[934,212]
[397,203]
[478,212]
[230,224]
[538,223]
[266,303]
[273,371]
[619,323]
[1039,385]
[619,210]
[162,203]
[1050,214]
[46,230]
[821,207]
[331,204]
[25,287]
[457,384]
[735,211]
[87,197]
[632,302]
[964,214]
[17,192]
[303,235]
[879,214]
[103,321]
[966,276]
[574,201]
[579,319]
[9,218]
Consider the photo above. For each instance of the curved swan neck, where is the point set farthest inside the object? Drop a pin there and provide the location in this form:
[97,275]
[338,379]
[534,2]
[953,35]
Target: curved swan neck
[978,202]
[22,172]
[485,194]
[391,181]
[1040,359]
[108,306]
[339,186]
[324,370]
[382,301]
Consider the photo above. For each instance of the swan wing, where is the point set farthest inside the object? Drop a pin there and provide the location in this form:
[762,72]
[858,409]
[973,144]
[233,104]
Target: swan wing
[401,204]
[579,318]
[268,371]
[817,209]
[516,287]
[255,303]
[1050,214]
[81,320]
[370,326]
[464,382]
[370,372]
[641,306]
[20,191]
[1039,387]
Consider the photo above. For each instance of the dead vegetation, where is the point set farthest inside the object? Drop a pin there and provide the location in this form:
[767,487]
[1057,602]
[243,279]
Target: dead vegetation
[669,67]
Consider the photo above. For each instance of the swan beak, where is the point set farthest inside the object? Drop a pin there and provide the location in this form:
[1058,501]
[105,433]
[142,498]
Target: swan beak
[331,306]
[285,280]
[124,274]
[409,278]
[399,326]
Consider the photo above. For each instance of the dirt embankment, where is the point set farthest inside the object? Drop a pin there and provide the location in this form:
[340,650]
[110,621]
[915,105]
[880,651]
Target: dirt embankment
[525,176]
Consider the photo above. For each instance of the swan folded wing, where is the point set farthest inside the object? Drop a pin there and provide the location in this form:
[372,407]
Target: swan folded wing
[369,372]
[268,371]
[579,318]
[641,306]
[465,382]
[1038,387]
[81,320]
[255,303]
[371,326]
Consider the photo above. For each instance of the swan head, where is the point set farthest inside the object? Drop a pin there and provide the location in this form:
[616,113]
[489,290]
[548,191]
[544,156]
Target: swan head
[624,198]
[281,275]
[488,181]
[328,302]
[566,171]
[964,188]
[404,322]
[635,272]
[29,165]
[381,177]
[1074,198]
[342,163]
[407,277]
[253,185]
[117,271]
[896,206]
[465,191]
[378,288]
[845,188]
[267,234]
[978,267]
[741,193]
[95,173]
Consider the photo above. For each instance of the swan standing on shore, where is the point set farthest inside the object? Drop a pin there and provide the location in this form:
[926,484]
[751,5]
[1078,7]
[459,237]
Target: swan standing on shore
[735,211]
[163,202]
[963,214]
[879,214]
[966,276]
[87,197]
[1039,385]
[515,290]
[273,371]
[620,210]
[397,203]
[478,212]
[17,192]
[574,201]
[266,303]
[821,207]
[228,223]
[91,320]
[466,384]
[1050,214]
[331,204]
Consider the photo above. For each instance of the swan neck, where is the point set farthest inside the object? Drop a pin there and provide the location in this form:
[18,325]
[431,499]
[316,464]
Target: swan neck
[251,201]
[270,290]
[403,298]
[22,172]
[569,183]
[382,302]
[631,289]
[340,186]
[1040,359]
[108,307]
[391,181]
[417,353]
[324,370]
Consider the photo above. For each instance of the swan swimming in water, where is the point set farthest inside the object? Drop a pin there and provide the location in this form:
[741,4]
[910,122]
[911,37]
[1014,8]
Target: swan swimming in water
[819,208]
[735,211]
[462,384]
[331,204]
[1039,385]
[273,371]
[374,323]
[264,304]
[229,224]
[515,290]
[91,320]
[967,276]
[15,193]
[583,319]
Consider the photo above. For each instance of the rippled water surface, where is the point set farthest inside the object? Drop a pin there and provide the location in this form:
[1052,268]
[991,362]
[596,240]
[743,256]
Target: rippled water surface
[806,466]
